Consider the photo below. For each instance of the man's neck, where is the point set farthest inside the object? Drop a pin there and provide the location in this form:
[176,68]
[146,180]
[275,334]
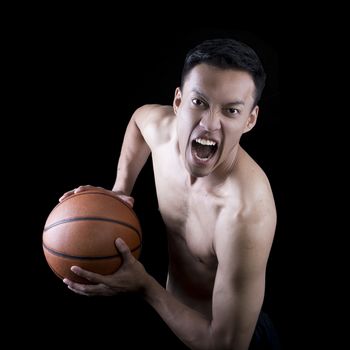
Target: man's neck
[217,179]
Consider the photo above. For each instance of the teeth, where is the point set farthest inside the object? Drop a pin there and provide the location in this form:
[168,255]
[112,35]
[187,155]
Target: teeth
[205,142]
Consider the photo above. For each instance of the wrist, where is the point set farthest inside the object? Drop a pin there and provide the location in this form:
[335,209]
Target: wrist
[120,187]
[123,185]
[120,192]
[124,197]
[148,287]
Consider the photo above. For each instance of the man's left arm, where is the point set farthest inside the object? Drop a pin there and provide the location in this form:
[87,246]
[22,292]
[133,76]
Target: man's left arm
[238,290]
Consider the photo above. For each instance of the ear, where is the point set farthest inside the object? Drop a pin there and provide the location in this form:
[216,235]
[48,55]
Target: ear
[177,99]
[252,119]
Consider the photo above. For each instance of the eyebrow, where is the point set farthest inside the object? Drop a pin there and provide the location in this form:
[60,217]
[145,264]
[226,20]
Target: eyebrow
[235,103]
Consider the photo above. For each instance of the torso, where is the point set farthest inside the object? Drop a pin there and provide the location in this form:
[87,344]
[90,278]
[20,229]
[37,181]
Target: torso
[191,216]
[190,220]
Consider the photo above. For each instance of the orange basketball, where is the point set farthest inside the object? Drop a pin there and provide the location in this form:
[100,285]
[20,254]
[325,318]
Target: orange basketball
[82,229]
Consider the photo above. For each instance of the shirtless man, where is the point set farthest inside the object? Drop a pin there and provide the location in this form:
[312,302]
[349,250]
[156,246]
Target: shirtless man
[216,202]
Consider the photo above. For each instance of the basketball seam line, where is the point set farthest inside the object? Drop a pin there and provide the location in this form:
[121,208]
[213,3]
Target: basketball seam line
[54,252]
[91,218]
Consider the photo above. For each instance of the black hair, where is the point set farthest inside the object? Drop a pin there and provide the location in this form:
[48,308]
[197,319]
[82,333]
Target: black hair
[227,54]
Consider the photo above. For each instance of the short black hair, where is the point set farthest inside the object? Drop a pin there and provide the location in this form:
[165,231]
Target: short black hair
[227,54]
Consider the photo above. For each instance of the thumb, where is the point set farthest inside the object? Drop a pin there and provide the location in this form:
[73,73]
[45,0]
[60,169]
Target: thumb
[123,249]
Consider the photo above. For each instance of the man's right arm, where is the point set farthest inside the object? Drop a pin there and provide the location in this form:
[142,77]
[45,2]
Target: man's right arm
[135,151]
[133,156]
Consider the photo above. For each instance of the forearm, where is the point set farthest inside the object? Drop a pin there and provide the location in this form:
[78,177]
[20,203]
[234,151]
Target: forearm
[133,156]
[191,327]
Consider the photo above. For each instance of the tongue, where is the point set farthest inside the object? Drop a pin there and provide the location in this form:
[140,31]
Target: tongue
[203,151]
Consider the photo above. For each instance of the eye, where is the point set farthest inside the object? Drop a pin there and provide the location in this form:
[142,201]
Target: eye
[233,111]
[197,102]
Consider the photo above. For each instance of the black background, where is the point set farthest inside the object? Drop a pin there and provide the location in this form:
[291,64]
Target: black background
[78,89]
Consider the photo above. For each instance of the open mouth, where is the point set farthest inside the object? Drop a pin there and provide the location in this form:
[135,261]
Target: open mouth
[203,149]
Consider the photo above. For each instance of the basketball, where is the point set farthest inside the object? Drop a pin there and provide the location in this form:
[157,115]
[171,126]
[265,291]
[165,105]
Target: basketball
[82,229]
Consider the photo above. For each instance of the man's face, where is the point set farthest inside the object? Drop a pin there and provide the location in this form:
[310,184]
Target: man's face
[213,110]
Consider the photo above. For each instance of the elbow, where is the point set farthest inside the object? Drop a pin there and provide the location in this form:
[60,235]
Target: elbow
[211,342]
[222,344]
[225,340]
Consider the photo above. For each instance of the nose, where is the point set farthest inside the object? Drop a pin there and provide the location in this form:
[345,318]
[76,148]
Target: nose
[210,122]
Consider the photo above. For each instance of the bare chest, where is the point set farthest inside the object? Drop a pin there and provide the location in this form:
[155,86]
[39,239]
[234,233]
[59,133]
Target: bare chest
[190,216]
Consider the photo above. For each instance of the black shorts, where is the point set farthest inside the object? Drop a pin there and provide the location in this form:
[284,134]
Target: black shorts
[265,336]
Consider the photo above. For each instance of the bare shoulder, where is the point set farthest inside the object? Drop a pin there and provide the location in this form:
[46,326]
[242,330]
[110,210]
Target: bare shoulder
[249,218]
[253,188]
[155,122]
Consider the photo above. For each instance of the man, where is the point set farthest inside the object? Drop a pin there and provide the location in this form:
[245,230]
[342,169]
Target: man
[216,202]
